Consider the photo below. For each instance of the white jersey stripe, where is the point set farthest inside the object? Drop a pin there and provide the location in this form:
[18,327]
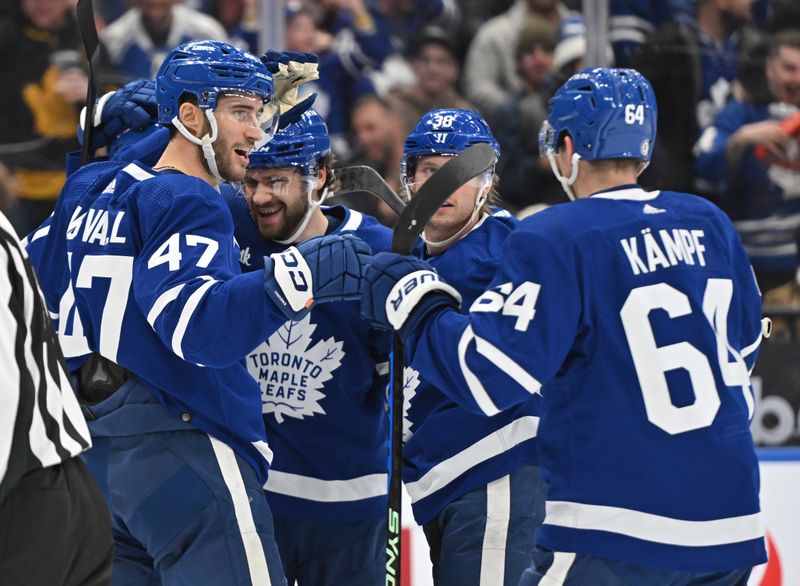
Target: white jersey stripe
[632,194]
[137,172]
[557,572]
[41,444]
[495,536]
[748,350]
[654,528]
[492,445]
[479,393]
[9,399]
[40,233]
[253,548]
[263,449]
[507,364]
[163,300]
[353,222]
[55,407]
[187,313]
[326,491]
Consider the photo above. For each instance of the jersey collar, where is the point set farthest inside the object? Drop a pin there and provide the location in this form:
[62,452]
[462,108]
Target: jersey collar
[630,192]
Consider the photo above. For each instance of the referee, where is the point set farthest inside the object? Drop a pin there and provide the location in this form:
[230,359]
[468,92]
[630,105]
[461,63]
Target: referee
[54,524]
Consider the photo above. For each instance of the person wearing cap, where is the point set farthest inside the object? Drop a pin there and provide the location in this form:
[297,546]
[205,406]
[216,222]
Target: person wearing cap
[526,180]
[433,57]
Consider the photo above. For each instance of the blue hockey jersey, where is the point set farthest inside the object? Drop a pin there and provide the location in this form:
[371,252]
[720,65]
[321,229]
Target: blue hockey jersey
[636,316]
[323,383]
[761,198]
[474,450]
[142,268]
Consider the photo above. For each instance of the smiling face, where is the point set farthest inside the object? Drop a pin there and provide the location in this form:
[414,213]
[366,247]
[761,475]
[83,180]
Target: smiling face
[783,74]
[238,131]
[278,200]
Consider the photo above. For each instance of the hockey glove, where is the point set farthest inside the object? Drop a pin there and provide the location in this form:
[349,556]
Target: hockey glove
[320,270]
[400,292]
[131,107]
[289,71]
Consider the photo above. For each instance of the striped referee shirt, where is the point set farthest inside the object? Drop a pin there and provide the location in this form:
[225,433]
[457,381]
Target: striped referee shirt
[41,423]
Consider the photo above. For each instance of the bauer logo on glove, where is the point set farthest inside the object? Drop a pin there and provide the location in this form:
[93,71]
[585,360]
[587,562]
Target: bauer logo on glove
[408,291]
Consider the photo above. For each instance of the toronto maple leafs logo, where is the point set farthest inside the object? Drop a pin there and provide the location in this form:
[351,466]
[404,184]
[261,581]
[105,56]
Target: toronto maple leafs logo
[292,372]
[410,384]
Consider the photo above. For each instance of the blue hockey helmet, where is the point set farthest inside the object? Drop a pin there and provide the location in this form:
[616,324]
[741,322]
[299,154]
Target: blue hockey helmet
[301,144]
[445,132]
[205,69]
[609,114]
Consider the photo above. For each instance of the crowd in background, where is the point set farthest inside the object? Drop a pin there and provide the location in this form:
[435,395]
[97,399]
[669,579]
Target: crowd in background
[726,74]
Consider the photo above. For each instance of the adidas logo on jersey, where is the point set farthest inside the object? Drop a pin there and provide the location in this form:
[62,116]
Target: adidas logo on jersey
[648,209]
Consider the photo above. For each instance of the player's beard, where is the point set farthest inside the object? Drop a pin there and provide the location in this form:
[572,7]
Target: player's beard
[228,169]
[292,214]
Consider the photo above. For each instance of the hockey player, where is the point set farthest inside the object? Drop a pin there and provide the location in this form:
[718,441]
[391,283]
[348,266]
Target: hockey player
[636,316]
[141,268]
[474,481]
[322,379]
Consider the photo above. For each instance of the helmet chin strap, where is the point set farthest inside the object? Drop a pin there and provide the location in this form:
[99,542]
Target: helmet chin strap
[479,201]
[566,183]
[206,143]
[312,205]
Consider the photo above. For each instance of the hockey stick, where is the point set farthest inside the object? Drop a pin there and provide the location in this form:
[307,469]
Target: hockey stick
[88,32]
[362,178]
[434,192]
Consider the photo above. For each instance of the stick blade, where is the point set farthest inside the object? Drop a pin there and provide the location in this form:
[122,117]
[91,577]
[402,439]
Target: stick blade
[361,179]
[456,172]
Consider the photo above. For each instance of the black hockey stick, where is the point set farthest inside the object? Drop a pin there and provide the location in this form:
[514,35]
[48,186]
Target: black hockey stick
[434,192]
[88,32]
[362,178]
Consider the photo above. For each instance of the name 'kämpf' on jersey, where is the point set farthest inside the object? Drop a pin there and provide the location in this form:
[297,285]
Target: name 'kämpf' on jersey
[649,251]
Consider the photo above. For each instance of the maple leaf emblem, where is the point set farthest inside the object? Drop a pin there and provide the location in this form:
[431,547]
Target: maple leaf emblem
[292,372]
[410,384]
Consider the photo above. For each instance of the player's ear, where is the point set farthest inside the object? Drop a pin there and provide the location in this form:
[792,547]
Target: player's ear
[322,178]
[192,118]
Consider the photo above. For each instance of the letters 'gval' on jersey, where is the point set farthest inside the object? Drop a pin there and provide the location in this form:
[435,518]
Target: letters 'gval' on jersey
[323,383]
[636,315]
[154,285]
[475,450]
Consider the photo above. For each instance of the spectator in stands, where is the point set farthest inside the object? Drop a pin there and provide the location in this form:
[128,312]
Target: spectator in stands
[751,152]
[786,296]
[568,57]
[45,86]
[240,19]
[490,71]
[436,68]
[135,44]
[354,43]
[526,177]
[631,22]
[474,13]
[378,143]
[691,63]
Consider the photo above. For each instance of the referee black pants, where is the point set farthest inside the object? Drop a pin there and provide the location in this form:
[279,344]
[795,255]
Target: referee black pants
[55,530]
